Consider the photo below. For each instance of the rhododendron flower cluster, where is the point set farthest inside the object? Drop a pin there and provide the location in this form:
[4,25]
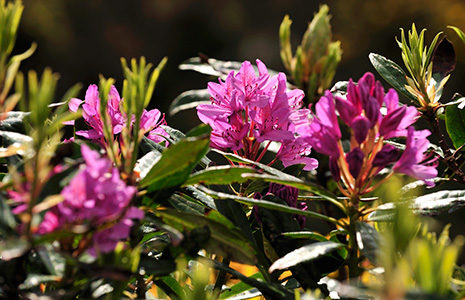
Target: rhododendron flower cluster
[247,110]
[362,110]
[150,120]
[95,197]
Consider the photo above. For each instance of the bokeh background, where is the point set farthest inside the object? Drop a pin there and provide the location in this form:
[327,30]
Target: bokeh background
[81,39]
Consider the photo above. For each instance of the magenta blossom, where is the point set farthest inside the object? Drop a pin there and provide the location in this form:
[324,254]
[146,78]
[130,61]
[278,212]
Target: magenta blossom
[412,162]
[249,111]
[96,196]
[150,120]
[373,117]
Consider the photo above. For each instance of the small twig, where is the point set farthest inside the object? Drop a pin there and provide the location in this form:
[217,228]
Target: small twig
[221,279]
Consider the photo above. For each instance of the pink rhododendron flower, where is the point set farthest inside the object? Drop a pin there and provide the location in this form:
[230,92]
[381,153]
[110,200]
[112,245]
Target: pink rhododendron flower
[95,196]
[412,162]
[150,120]
[247,110]
[373,117]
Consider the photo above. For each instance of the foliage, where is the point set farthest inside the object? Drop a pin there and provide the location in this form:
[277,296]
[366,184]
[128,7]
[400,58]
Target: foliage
[239,207]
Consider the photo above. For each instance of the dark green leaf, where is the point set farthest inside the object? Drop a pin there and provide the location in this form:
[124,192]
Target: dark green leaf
[182,204]
[279,176]
[189,99]
[13,121]
[367,240]
[455,125]
[392,73]
[219,175]
[176,163]
[269,290]
[304,254]
[240,287]
[156,267]
[225,240]
[201,196]
[305,235]
[13,247]
[268,204]
[7,220]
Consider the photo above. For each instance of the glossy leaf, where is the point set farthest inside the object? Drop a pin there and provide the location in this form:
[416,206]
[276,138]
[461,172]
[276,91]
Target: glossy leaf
[455,125]
[268,204]
[225,240]
[188,100]
[304,254]
[430,204]
[368,240]
[392,73]
[219,175]
[305,235]
[176,163]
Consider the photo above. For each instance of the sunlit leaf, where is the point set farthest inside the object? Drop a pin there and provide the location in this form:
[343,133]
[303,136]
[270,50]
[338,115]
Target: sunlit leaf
[392,73]
[304,254]
[189,99]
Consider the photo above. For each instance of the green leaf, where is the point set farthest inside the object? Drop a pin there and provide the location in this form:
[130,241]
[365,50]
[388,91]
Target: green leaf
[183,204]
[201,196]
[240,287]
[306,235]
[225,239]
[219,175]
[210,66]
[146,163]
[13,121]
[13,247]
[189,99]
[304,254]
[392,73]
[176,163]
[156,267]
[455,125]
[430,204]
[368,240]
[279,176]
[10,137]
[459,32]
[268,204]
[7,219]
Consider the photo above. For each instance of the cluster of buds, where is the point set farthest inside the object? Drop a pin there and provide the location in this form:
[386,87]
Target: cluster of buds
[429,68]
[249,111]
[373,118]
[314,65]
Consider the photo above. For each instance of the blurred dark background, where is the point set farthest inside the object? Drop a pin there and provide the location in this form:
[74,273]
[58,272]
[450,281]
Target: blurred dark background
[81,39]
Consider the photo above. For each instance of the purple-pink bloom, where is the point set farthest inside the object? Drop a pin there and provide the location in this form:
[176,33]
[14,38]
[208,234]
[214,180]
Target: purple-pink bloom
[247,110]
[413,161]
[150,120]
[95,196]
[373,117]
